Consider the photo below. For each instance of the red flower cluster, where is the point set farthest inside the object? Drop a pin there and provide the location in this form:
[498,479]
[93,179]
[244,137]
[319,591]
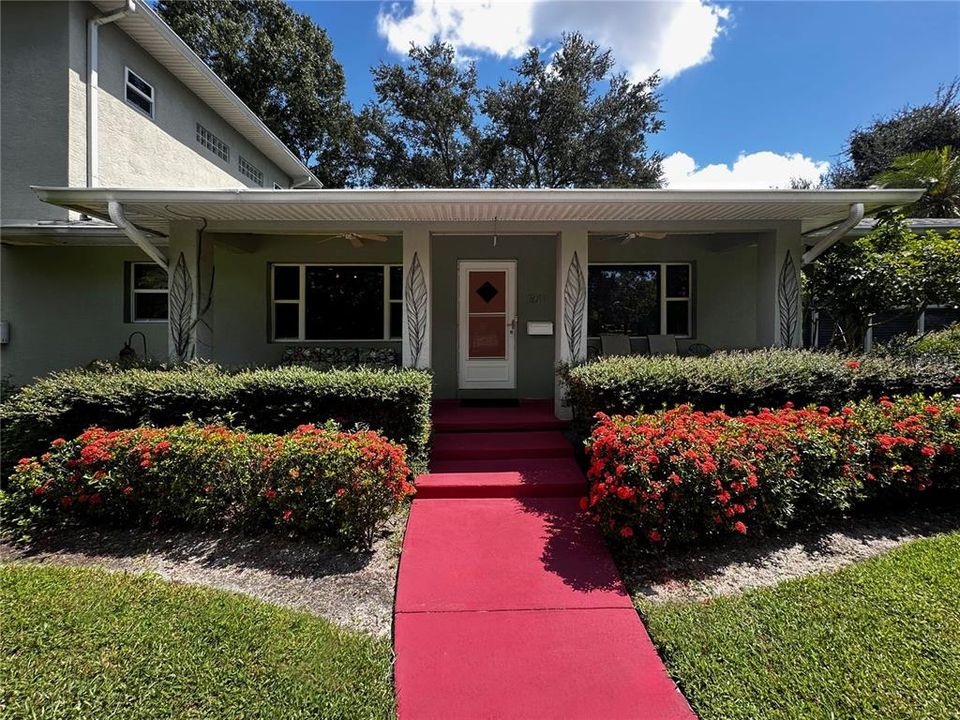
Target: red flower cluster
[683,474]
[315,480]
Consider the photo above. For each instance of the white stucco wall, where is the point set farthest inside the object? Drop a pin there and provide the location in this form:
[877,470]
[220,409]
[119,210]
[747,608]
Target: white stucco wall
[43,103]
[139,151]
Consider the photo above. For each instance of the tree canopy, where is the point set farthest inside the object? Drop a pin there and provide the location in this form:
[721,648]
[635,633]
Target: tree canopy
[872,150]
[892,268]
[563,120]
[281,64]
[422,128]
[554,127]
[936,170]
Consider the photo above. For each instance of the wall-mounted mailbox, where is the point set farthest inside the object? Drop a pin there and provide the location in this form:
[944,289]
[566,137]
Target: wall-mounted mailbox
[539,328]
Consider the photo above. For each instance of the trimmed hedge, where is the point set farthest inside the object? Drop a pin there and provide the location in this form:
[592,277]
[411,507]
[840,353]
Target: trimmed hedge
[943,343]
[393,402]
[316,482]
[683,475]
[739,381]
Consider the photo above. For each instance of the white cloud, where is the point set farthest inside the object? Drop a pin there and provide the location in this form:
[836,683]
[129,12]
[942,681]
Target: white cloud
[761,170]
[645,36]
[492,27]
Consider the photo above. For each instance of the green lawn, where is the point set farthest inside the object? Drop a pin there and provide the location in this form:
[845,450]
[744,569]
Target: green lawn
[880,639]
[79,643]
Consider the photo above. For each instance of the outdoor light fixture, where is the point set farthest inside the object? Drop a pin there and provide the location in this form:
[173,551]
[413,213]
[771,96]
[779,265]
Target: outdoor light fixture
[127,353]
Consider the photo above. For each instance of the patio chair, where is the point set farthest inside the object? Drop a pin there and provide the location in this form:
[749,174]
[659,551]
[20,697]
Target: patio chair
[699,350]
[662,344]
[615,344]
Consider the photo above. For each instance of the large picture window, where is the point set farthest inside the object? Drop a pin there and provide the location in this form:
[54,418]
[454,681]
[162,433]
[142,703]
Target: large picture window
[639,300]
[337,302]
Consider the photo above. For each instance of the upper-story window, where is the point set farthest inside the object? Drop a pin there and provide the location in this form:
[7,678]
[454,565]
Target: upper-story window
[139,92]
[251,171]
[212,143]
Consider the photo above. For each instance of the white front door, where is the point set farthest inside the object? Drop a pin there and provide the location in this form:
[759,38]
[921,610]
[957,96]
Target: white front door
[487,324]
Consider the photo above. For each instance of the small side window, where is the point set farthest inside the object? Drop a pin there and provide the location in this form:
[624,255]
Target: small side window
[148,293]
[139,92]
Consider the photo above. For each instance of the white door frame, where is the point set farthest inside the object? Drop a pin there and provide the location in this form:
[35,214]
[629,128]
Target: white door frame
[487,373]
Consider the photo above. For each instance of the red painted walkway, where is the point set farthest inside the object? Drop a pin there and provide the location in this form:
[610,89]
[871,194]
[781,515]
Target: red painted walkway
[508,603]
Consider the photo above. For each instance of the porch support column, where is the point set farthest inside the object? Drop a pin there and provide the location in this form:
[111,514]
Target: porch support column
[417,300]
[779,304]
[190,300]
[570,327]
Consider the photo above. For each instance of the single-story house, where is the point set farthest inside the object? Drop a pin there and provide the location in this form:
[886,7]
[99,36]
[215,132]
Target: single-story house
[490,289]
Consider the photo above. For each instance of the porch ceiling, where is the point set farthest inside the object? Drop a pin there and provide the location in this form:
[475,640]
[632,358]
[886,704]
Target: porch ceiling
[154,210]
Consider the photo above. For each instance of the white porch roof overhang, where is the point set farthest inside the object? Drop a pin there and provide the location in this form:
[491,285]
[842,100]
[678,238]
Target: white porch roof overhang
[245,210]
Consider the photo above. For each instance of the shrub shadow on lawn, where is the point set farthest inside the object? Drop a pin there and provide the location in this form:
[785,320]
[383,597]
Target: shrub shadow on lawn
[351,588]
[738,564]
[276,555]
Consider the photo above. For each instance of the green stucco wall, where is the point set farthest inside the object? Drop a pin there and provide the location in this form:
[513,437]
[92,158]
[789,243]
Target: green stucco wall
[536,299]
[241,305]
[65,306]
[724,280]
[34,124]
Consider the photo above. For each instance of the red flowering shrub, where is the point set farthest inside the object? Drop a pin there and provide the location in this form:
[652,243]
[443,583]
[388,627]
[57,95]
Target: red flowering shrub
[682,474]
[314,481]
[914,444]
[334,483]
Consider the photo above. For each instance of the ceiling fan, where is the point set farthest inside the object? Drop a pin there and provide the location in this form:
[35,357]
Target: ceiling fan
[626,238]
[356,239]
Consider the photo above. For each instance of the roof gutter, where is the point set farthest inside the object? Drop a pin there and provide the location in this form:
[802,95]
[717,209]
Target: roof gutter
[93,46]
[855,216]
[306,180]
[136,235]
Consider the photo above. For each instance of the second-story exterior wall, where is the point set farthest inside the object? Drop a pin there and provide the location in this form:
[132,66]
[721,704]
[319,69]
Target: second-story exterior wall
[136,150]
[44,115]
[34,134]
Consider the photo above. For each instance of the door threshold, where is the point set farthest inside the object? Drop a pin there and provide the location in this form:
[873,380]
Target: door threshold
[489,402]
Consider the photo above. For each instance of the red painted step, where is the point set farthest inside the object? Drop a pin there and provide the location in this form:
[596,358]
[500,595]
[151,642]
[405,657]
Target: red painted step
[493,445]
[544,477]
[450,416]
[596,664]
[511,607]
[504,554]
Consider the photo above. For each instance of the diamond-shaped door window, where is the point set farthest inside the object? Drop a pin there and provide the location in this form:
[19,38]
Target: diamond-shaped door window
[487,292]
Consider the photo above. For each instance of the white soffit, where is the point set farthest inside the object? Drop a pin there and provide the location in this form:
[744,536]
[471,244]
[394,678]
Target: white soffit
[155,209]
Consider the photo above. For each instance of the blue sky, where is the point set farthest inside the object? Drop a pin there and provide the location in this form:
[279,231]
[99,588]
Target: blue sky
[777,85]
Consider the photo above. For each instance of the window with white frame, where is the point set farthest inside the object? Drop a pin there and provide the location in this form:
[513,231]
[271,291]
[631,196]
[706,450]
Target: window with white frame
[639,299]
[148,292]
[212,143]
[139,92]
[336,302]
[251,171]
